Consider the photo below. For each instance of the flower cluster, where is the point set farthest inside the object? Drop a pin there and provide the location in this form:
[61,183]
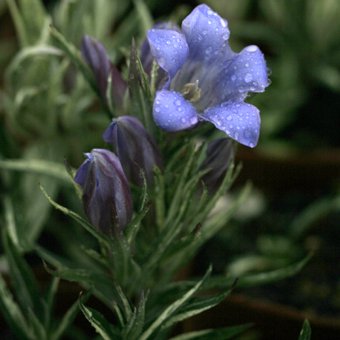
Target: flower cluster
[205,79]
[200,79]
[104,177]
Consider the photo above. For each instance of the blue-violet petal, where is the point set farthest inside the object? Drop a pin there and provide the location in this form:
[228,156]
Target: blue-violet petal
[239,120]
[172,112]
[247,72]
[169,48]
[207,34]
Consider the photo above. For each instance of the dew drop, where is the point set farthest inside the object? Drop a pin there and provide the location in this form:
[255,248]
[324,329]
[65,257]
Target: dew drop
[223,23]
[251,48]
[248,78]
[168,42]
[233,77]
[193,120]
[229,117]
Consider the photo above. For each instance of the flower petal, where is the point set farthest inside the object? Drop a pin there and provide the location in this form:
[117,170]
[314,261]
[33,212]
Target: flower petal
[239,120]
[247,72]
[172,112]
[169,48]
[207,34]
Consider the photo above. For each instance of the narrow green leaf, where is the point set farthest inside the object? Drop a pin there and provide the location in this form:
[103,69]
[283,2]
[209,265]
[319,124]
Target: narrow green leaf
[12,313]
[225,282]
[49,300]
[135,326]
[31,52]
[67,320]
[306,331]
[99,323]
[216,334]
[18,22]
[139,89]
[37,166]
[73,53]
[10,222]
[170,310]
[23,279]
[38,328]
[273,276]
[195,308]
[87,226]
[144,16]
[134,226]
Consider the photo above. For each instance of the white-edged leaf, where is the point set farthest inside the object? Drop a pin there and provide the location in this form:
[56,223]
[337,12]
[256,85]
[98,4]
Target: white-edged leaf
[99,323]
[170,310]
[306,331]
[216,334]
[37,166]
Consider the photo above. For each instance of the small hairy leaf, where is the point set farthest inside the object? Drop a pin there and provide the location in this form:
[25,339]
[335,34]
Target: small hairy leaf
[306,331]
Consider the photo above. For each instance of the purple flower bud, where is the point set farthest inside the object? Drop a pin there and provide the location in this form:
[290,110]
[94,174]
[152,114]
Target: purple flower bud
[96,57]
[220,153]
[134,147]
[106,194]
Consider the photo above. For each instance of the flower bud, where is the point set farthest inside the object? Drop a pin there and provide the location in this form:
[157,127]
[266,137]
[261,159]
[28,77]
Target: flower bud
[96,57]
[220,153]
[134,147]
[106,195]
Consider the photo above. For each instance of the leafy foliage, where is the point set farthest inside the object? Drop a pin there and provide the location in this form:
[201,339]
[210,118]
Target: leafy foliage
[50,102]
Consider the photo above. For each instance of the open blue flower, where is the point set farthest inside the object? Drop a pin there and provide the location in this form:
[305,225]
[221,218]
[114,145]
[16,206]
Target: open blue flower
[206,80]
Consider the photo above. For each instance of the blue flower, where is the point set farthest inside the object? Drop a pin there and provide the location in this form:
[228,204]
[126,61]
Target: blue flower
[106,195]
[96,57]
[206,80]
[135,148]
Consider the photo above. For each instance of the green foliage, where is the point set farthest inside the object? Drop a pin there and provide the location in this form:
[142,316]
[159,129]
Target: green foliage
[306,331]
[29,313]
[50,102]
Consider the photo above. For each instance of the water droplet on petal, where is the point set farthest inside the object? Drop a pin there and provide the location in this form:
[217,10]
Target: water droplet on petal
[193,120]
[233,77]
[251,48]
[248,78]
[229,117]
